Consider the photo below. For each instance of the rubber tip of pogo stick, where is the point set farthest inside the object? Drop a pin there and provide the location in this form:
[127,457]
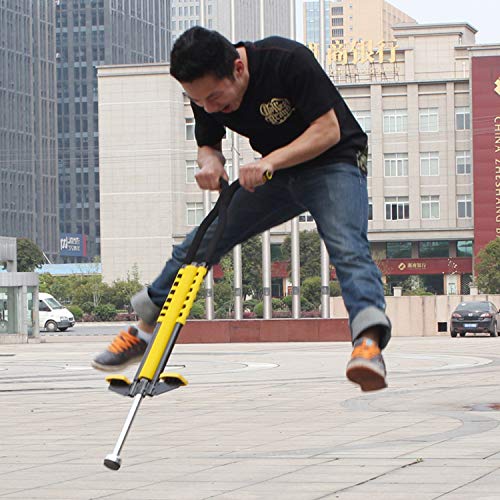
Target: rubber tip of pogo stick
[112,462]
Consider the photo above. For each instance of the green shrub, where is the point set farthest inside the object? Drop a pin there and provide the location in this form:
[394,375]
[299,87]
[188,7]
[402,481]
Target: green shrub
[259,309]
[197,311]
[287,300]
[305,305]
[335,290]
[105,312]
[277,305]
[76,311]
[87,307]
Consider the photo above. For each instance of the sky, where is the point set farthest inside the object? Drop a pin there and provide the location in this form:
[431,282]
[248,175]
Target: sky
[483,15]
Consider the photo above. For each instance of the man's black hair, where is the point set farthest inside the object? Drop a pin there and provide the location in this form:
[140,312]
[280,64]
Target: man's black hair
[199,52]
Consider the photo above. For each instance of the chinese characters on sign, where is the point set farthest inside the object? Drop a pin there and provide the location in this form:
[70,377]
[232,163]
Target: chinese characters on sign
[417,265]
[359,52]
[412,265]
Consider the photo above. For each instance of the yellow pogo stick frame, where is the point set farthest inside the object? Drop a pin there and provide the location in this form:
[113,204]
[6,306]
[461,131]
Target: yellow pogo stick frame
[149,379]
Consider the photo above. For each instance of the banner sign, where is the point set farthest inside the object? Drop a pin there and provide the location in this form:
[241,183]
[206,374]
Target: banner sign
[73,245]
[486,147]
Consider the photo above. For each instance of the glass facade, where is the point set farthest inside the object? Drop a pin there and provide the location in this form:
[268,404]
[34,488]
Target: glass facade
[8,312]
[464,248]
[398,249]
[431,249]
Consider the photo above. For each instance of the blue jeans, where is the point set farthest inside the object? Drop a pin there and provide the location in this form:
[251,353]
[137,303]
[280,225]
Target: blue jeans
[336,196]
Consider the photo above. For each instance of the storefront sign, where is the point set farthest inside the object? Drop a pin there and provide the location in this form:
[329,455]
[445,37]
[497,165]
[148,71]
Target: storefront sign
[486,146]
[436,265]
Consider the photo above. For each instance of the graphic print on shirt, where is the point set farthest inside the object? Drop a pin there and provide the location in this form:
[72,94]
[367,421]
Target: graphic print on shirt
[277,110]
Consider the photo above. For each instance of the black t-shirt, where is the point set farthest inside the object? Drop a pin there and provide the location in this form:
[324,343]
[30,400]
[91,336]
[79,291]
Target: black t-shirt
[287,91]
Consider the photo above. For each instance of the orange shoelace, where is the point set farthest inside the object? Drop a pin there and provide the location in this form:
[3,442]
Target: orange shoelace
[366,351]
[122,342]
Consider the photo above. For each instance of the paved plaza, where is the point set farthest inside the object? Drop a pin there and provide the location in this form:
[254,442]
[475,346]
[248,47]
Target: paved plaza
[257,421]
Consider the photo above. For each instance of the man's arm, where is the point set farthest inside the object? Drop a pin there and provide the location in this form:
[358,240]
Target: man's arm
[321,135]
[211,162]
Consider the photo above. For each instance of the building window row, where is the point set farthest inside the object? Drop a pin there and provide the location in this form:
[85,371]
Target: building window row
[395,121]
[398,207]
[427,249]
[397,164]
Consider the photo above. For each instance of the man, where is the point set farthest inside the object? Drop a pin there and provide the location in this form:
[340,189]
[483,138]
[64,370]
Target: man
[275,93]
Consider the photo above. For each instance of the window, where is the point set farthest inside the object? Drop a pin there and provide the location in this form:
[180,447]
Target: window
[463,162]
[276,287]
[429,120]
[306,217]
[338,11]
[338,21]
[462,118]
[430,207]
[429,164]
[370,209]
[337,33]
[398,249]
[433,249]
[464,248]
[396,165]
[191,168]
[369,167]
[276,252]
[194,213]
[464,206]
[190,129]
[364,119]
[397,208]
[395,121]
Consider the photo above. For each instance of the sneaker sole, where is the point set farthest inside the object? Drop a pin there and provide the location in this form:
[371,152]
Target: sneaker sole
[114,368]
[361,372]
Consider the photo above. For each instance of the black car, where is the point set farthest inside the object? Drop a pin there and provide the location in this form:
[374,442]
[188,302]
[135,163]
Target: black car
[475,317]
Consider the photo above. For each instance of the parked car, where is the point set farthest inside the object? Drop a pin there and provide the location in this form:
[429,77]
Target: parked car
[475,317]
[52,315]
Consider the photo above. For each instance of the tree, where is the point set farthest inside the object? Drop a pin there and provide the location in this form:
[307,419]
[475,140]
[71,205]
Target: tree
[122,290]
[91,289]
[223,289]
[251,258]
[251,268]
[488,267]
[61,287]
[29,256]
[310,253]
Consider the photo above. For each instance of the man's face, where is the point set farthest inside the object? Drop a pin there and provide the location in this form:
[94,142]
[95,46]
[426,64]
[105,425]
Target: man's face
[216,95]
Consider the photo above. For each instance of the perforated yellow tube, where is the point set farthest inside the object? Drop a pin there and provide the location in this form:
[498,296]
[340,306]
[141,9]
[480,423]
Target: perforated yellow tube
[169,316]
[193,292]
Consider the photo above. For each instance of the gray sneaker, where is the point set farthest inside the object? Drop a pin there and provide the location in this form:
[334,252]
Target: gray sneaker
[366,367]
[125,349]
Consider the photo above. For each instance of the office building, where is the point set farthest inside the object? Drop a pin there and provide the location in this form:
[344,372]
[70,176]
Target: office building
[92,33]
[28,148]
[347,21]
[247,17]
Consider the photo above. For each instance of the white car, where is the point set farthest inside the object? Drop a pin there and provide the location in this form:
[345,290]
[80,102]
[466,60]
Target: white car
[52,315]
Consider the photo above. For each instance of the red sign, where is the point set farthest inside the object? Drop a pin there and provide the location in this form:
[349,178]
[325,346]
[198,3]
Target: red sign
[486,146]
